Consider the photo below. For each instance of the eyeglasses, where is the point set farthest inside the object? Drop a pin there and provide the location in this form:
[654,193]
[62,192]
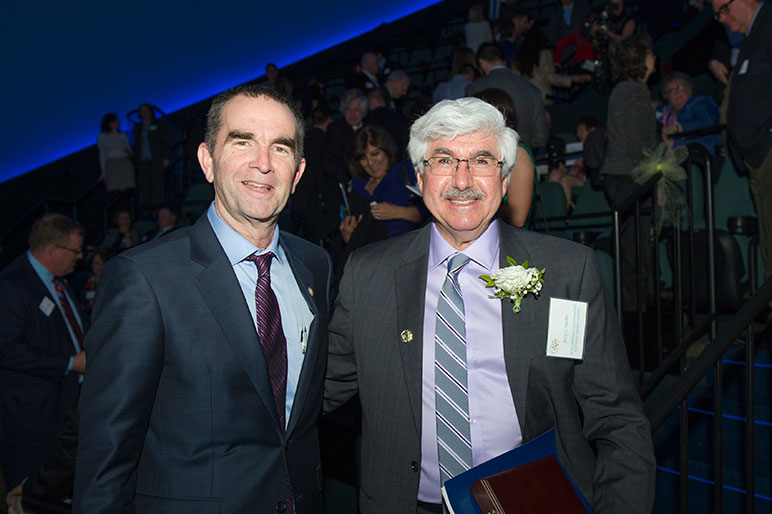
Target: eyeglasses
[669,91]
[76,251]
[724,9]
[480,166]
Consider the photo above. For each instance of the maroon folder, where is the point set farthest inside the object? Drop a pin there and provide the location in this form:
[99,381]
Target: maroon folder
[538,487]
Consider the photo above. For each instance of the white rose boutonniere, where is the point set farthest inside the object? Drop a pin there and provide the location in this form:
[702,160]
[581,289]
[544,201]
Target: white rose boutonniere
[514,282]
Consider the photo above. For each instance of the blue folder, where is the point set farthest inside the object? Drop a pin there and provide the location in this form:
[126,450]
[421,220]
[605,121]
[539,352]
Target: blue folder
[456,491]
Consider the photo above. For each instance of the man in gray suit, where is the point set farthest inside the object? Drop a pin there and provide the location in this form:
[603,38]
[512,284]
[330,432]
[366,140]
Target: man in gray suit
[397,316]
[531,116]
[208,348]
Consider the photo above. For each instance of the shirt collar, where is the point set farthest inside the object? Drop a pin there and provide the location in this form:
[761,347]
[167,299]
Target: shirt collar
[43,272]
[237,247]
[484,250]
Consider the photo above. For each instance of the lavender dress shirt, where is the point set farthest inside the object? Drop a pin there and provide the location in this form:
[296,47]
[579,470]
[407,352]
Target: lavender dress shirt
[494,425]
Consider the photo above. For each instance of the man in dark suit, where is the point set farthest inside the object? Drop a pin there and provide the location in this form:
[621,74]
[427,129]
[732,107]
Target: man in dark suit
[167,222]
[208,347]
[393,326]
[151,150]
[41,336]
[531,116]
[749,109]
[382,115]
[341,134]
[566,17]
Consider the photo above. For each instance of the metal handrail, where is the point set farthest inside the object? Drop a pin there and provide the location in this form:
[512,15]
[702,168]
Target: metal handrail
[674,356]
[727,334]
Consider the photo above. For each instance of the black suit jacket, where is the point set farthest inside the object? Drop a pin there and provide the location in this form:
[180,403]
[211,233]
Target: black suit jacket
[531,116]
[340,140]
[35,388]
[749,115]
[177,412]
[395,124]
[157,137]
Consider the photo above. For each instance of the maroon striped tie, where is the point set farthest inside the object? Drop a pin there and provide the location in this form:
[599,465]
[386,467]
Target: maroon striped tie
[270,331]
[69,313]
[271,335]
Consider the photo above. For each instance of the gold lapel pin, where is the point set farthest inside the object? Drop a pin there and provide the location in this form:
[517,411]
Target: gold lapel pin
[311,292]
[406,336]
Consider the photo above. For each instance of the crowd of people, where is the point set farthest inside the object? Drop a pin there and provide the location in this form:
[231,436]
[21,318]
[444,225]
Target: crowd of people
[207,347]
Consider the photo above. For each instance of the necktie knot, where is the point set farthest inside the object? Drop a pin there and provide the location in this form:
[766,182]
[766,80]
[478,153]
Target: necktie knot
[262,262]
[455,264]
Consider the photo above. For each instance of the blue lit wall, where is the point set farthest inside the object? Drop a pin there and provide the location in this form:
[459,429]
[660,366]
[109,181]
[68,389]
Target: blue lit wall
[65,64]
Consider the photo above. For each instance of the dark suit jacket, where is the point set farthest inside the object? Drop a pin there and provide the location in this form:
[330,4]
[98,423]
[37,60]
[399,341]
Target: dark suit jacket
[603,435]
[395,124]
[531,117]
[177,412]
[557,28]
[340,140]
[749,115]
[35,388]
[158,139]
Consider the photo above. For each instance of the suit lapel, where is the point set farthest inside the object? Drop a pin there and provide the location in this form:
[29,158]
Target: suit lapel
[305,281]
[410,288]
[516,328]
[220,289]
[40,291]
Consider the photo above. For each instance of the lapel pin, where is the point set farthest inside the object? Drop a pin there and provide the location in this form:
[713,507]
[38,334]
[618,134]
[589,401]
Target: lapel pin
[406,336]
[311,292]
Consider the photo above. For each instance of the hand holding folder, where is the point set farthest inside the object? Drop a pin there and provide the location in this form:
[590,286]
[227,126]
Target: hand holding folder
[526,480]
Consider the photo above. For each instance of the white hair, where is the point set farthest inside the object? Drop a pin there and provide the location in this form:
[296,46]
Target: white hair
[350,97]
[449,119]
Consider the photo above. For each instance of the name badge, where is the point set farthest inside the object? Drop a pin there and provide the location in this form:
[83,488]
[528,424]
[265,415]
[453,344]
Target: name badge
[567,323]
[743,67]
[46,306]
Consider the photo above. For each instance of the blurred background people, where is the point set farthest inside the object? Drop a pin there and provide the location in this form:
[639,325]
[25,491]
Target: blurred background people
[478,29]
[378,177]
[685,111]
[151,150]
[115,160]
[631,128]
[41,345]
[535,63]
[121,235]
[96,263]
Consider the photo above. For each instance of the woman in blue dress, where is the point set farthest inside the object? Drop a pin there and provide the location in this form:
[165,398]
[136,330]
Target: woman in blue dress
[380,179]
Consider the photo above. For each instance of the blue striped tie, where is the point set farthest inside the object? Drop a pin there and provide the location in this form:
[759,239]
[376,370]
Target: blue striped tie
[454,444]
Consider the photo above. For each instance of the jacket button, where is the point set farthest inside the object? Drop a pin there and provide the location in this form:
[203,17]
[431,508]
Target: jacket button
[281,507]
[414,466]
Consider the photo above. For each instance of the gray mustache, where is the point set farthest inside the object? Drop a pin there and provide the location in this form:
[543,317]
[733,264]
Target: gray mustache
[465,194]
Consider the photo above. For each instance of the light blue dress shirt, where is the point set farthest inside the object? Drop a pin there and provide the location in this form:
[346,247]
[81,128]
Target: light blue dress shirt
[494,427]
[48,280]
[296,316]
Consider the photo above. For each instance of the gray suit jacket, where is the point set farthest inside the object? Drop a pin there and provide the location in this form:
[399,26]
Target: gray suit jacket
[603,435]
[177,413]
[531,117]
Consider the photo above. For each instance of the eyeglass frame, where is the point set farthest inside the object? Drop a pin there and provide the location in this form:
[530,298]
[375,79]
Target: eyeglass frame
[669,91]
[76,251]
[724,9]
[459,160]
